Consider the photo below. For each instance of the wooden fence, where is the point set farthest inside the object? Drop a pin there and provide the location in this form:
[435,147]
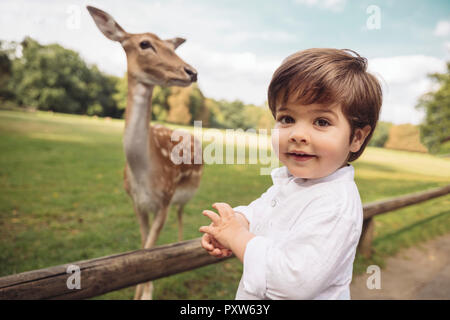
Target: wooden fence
[102,275]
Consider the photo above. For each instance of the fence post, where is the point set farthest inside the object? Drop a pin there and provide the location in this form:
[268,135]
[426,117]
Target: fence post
[365,242]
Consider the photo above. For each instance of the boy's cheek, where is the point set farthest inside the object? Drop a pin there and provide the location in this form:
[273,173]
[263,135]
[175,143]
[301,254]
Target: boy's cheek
[277,136]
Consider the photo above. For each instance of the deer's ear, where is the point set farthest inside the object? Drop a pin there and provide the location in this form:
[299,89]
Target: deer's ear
[175,42]
[107,25]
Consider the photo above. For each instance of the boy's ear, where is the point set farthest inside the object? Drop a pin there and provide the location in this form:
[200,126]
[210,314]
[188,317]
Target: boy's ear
[359,137]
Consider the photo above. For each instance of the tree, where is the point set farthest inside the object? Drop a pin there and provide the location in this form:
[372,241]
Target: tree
[435,130]
[197,106]
[160,105]
[216,117]
[258,117]
[186,105]
[50,77]
[380,135]
[121,94]
[5,74]
[7,55]
[233,115]
[179,106]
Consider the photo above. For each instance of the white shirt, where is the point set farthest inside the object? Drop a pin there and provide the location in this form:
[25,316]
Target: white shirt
[306,232]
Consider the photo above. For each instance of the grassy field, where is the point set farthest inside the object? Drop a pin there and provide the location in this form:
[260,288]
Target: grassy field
[62,200]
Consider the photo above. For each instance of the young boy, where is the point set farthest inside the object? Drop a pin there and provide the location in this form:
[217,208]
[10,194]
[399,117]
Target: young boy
[299,239]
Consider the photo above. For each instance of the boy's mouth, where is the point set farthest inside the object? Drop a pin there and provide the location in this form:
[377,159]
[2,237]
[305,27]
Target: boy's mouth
[300,156]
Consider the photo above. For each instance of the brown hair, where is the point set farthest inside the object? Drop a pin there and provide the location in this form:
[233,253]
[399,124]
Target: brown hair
[329,76]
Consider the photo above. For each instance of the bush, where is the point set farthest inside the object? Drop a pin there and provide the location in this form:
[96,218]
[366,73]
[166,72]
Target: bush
[380,135]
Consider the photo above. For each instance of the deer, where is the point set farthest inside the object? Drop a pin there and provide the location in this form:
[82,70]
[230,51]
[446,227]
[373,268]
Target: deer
[151,178]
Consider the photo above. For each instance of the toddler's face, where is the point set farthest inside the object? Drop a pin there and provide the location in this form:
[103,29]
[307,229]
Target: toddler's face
[313,139]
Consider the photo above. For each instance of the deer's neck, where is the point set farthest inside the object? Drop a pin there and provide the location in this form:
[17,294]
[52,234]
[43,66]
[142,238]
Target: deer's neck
[137,127]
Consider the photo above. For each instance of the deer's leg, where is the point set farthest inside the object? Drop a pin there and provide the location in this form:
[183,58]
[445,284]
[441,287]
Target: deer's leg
[139,291]
[180,222]
[157,225]
[144,227]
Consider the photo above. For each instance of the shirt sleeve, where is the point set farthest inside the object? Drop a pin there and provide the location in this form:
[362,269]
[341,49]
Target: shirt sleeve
[309,259]
[249,210]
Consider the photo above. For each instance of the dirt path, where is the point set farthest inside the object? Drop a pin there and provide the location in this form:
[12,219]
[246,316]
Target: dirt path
[421,272]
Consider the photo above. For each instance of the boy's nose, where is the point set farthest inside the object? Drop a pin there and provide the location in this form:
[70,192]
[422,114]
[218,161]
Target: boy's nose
[298,136]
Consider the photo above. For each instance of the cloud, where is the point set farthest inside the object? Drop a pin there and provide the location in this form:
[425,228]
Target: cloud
[236,38]
[333,5]
[442,29]
[404,79]
[232,75]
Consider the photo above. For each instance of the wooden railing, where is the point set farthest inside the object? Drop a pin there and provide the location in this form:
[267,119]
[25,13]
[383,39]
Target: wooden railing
[106,274]
[375,208]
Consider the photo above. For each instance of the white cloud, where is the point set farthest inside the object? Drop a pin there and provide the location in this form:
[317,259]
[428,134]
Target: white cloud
[447,46]
[442,29]
[404,80]
[236,75]
[333,5]
[236,38]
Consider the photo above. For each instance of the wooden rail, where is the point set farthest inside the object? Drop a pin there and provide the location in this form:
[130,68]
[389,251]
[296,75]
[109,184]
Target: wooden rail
[375,208]
[102,275]
[106,274]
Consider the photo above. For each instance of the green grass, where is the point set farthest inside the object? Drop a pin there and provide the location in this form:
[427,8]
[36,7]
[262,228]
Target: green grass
[62,200]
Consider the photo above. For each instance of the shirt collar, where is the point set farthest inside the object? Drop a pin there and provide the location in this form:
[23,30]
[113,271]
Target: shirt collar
[283,176]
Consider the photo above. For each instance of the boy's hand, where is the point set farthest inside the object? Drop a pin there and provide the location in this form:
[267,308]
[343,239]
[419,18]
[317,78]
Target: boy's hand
[224,227]
[213,247]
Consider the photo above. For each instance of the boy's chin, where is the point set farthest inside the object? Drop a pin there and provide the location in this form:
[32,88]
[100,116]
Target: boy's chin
[299,172]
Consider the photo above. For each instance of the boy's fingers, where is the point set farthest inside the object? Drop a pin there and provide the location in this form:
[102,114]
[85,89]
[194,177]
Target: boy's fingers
[223,208]
[215,243]
[206,242]
[206,229]
[212,215]
[215,252]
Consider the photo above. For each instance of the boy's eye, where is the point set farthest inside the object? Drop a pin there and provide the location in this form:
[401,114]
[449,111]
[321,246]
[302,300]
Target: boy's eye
[285,119]
[322,122]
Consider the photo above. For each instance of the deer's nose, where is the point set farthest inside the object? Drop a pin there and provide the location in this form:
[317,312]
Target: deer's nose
[191,73]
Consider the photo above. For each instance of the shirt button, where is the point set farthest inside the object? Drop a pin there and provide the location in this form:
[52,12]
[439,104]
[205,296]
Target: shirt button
[274,202]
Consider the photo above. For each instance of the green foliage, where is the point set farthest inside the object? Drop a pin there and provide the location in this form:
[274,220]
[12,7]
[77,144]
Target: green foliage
[215,116]
[436,128]
[380,135]
[259,117]
[179,101]
[6,55]
[197,105]
[53,78]
[160,106]
[120,96]
[236,115]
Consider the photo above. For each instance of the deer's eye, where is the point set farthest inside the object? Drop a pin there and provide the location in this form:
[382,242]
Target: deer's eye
[146,45]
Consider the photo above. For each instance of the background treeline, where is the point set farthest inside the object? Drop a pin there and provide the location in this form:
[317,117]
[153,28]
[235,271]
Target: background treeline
[53,78]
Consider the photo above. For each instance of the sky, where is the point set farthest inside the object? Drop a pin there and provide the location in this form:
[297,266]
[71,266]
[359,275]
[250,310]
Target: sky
[236,45]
